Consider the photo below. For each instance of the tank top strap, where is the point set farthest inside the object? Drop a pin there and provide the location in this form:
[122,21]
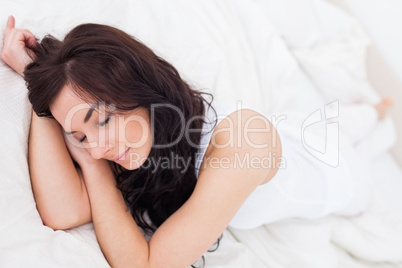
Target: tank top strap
[223,109]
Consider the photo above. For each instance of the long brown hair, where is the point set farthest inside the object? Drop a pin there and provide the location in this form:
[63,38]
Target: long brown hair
[105,64]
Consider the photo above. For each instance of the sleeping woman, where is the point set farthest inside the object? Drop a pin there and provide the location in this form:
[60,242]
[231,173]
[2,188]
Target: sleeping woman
[119,139]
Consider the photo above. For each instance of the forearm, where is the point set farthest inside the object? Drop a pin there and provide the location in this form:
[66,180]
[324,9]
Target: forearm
[60,193]
[121,240]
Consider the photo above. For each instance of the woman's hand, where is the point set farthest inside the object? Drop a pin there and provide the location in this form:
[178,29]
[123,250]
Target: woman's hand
[78,152]
[18,44]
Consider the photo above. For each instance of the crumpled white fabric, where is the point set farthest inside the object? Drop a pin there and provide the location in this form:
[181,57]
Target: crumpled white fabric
[237,50]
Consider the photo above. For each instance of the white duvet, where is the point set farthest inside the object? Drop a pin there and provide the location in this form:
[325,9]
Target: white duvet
[272,55]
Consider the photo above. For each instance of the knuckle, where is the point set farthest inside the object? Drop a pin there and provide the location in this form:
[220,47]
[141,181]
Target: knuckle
[3,56]
[19,33]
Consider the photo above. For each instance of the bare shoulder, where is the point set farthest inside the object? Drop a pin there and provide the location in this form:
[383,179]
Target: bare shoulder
[247,140]
[228,175]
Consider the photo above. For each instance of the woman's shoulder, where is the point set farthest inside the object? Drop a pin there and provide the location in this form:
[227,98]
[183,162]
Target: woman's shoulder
[243,135]
[242,129]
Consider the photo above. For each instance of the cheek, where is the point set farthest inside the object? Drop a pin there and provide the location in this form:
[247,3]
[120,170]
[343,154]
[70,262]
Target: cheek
[135,131]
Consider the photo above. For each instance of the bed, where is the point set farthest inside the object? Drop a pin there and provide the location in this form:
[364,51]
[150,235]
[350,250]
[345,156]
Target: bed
[272,56]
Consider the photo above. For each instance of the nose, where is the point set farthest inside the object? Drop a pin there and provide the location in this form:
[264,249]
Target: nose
[98,152]
[99,147]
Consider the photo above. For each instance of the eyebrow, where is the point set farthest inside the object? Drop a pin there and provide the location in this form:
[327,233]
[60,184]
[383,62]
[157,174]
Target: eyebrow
[87,117]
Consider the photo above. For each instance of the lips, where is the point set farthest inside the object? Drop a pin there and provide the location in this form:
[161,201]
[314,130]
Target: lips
[121,157]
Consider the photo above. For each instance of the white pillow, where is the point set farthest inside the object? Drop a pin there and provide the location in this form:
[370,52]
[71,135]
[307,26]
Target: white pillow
[16,198]
[25,241]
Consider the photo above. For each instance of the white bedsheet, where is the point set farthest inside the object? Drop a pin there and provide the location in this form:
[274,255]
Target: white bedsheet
[363,241]
[270,57]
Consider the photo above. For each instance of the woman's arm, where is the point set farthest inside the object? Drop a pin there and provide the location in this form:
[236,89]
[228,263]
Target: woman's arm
[60,193]
[191,230]
[120,238]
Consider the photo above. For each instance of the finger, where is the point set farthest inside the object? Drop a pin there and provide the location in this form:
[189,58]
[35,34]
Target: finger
[31,54]
[29,38]
[10,24]
[28,31]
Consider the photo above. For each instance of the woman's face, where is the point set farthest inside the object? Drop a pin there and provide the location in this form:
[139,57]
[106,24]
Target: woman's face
[125,139]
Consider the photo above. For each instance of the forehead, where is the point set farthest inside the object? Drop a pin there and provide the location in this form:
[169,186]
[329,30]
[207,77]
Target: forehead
[68,105]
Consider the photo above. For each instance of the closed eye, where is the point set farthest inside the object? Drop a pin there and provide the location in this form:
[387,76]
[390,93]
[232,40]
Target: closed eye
[101,125]
[105,122]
